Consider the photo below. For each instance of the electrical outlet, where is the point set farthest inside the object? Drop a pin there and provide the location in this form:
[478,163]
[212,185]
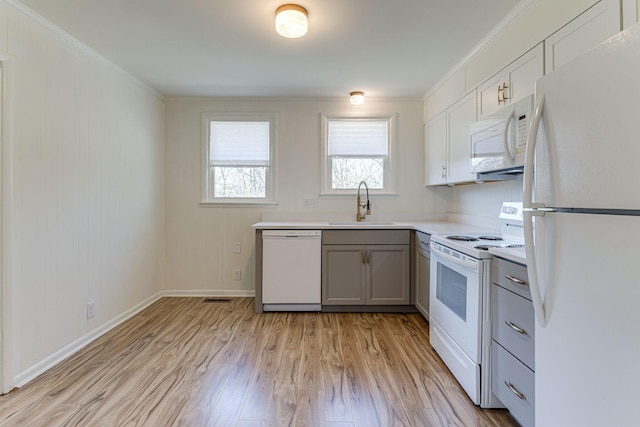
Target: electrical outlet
[91,309]
[237,275]
[237,248]
[309,203]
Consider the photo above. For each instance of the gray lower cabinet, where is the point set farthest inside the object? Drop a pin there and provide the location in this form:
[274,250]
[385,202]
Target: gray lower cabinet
[422,272]
[513,333]
[343,278]
[387,274]
[366,274]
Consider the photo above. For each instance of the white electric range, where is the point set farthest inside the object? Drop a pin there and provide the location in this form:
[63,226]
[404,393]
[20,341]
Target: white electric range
[477,244]
[459,311]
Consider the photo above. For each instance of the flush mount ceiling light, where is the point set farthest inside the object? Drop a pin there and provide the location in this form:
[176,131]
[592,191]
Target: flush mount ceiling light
[291,21]
[356,98]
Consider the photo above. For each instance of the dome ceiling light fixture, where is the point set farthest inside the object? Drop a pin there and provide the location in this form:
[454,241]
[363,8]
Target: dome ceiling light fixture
[356,98]
[291,21]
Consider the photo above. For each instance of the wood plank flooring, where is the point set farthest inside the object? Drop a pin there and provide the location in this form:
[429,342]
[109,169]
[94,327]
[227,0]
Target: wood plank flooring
[186,362]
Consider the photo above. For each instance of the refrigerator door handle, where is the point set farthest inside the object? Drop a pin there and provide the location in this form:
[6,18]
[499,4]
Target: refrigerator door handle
[529,156]
[530,211]
[532,269]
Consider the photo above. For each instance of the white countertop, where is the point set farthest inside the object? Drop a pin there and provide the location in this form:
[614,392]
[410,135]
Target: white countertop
[512,254]
[429,227]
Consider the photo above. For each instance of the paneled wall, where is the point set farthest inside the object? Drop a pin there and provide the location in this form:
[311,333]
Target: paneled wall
[199,240]
[83,194]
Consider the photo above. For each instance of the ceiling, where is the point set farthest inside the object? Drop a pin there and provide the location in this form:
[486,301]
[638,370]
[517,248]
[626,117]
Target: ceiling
[386,48]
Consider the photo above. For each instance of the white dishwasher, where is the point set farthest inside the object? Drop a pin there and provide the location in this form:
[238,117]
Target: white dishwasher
[291,270]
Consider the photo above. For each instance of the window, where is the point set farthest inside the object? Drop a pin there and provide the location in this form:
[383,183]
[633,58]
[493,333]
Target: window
[355,150]
[238,158]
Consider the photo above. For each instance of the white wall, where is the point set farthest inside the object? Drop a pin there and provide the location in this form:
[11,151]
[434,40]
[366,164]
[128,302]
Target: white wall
[199,240]
[83,199]
[484,200]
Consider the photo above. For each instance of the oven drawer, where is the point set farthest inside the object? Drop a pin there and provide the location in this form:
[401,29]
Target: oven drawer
[513,327]
[511,276]
[514,384]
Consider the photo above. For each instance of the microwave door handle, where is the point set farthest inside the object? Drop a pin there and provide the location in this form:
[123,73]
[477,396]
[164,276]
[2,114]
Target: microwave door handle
[530,212]
[505,138]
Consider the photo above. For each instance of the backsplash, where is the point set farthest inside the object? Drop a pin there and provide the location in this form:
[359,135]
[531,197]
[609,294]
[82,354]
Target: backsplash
[484,200]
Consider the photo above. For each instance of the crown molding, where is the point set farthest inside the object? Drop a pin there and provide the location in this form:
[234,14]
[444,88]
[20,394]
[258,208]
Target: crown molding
[488,38]
[59,32]
[306,98]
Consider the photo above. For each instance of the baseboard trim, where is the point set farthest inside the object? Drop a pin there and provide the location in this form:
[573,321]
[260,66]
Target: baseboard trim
[239,293]
[24,377]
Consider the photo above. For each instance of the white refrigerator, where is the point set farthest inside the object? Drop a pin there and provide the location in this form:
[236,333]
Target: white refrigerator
[582,233]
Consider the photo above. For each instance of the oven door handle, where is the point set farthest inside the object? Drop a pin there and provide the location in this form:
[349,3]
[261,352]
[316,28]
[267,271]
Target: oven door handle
[469,265]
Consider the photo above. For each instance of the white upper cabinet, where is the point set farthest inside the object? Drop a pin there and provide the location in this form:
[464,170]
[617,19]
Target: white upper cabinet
[630,12]
[595,25]
[435,150]
[447,147]
[459,118]
[447,92]
[514,82]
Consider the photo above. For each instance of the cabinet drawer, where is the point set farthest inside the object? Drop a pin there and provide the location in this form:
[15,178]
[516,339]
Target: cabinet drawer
[511,276]
[366,237]
[514,384]
[513,327]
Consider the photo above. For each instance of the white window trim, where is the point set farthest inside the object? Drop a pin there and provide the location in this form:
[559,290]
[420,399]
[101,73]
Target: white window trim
[389,167]
[271,176]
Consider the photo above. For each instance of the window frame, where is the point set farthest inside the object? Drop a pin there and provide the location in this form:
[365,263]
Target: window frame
[389,169]
[270,175]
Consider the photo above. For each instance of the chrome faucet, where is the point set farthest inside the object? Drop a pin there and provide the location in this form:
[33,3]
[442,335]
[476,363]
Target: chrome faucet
[359,216]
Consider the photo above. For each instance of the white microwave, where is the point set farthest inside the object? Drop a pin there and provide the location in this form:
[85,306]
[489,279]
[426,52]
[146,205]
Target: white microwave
[499,141]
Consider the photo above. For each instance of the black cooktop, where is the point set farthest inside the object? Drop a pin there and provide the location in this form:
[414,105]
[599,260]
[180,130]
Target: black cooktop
[463,238]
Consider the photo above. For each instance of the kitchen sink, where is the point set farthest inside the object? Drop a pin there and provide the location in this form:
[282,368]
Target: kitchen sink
[362,223]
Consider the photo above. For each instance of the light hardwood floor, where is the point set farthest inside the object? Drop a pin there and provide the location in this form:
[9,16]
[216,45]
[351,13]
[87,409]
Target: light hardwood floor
[186,362]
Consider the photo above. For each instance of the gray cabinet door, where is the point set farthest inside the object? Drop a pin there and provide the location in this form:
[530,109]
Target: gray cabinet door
[388,274]
[343,278]
[422,284]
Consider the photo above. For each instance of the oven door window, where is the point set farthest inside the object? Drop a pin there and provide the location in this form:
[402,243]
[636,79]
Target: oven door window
[451,290]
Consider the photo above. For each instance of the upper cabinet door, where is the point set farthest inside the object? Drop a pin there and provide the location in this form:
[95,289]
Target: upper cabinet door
[460,117]
[523,73]
[514,82]
[630,12]
[595,25]
[435,150]
[489,94]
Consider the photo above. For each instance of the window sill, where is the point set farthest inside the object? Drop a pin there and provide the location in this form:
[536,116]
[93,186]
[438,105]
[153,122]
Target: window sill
[236,204]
